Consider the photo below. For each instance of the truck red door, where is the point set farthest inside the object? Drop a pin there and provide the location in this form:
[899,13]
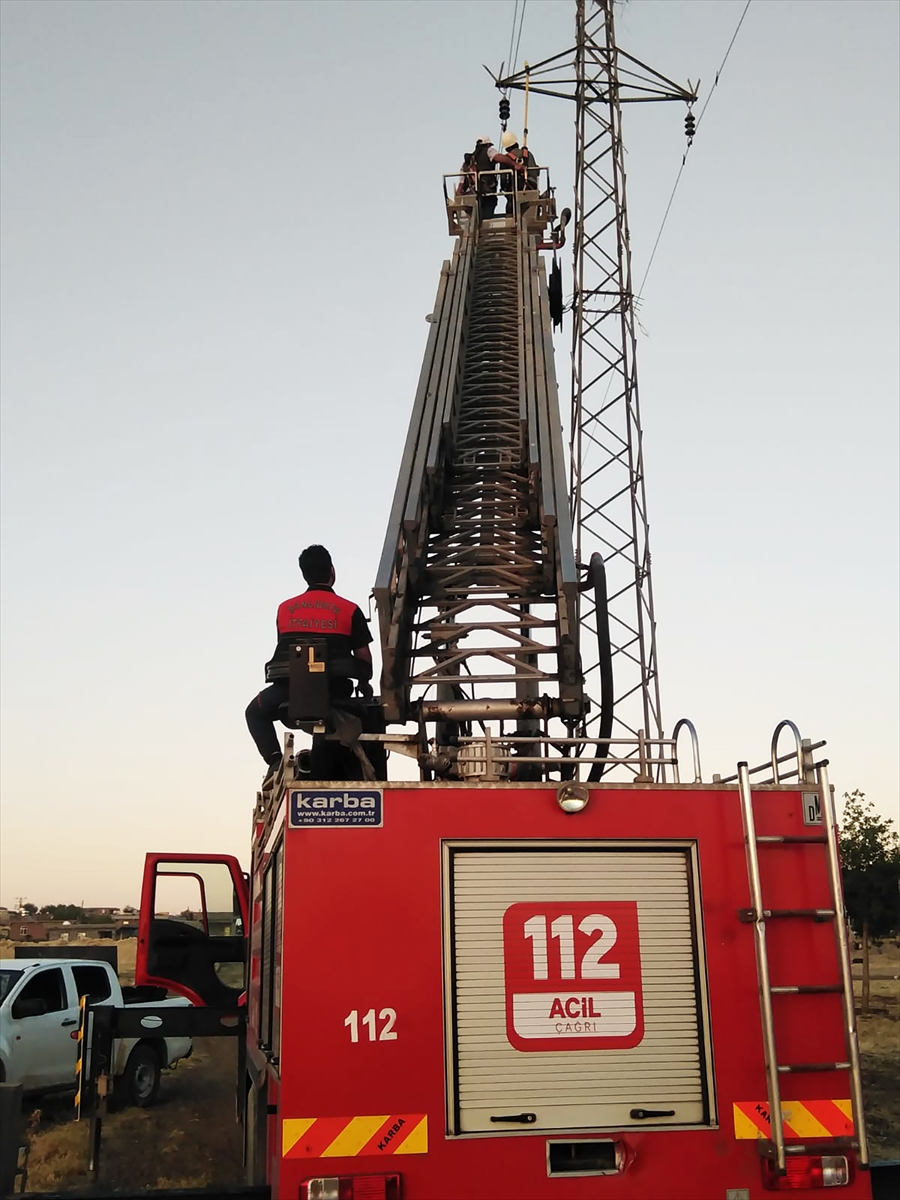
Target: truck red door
[192,934]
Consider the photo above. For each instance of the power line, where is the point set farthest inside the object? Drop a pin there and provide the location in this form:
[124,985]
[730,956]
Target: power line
[722,66]
[513,52]
[519,38]
[690,143]
[512,34]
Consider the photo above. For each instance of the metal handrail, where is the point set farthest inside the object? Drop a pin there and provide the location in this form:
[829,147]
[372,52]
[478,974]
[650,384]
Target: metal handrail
[767,766]
[460,176]
[684,723]
[829,820]
[500,749]
[551,740]
[798,741]
[773,1086]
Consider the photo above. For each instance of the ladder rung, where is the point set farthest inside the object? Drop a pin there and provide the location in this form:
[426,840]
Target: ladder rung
[793,840]
[834,1143]
[767,1147]
[748,915]
[807,989]
[809,1068]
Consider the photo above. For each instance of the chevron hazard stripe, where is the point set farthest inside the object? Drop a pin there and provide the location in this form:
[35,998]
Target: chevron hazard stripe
[80,1060]
[801,1118]
[348,1137]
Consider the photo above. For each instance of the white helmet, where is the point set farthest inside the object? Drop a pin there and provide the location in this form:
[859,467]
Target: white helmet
[483,139]
[509,139]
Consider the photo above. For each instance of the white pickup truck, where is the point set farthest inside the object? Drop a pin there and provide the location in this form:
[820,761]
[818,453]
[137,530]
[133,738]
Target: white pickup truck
[39,1025]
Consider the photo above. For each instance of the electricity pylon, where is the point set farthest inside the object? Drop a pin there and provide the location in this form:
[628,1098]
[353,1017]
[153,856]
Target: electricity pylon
[609,509]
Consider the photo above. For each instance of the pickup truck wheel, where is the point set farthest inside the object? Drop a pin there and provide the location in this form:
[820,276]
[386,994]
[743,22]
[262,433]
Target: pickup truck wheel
[140,1080]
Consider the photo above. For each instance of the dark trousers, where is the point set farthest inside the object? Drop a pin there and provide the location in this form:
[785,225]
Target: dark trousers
[328,759]
[486,205]
[262,713]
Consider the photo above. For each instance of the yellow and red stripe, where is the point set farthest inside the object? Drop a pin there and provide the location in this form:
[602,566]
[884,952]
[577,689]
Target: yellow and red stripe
[800,1118]
[348,1137]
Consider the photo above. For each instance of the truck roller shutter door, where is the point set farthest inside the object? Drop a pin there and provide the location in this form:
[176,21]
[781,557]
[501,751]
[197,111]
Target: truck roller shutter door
[575,977]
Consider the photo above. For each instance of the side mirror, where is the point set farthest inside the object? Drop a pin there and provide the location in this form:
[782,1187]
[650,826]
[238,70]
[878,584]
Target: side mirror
[29,1008]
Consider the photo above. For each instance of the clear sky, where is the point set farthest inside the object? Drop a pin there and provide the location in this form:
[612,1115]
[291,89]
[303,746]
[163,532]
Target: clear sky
[222,228]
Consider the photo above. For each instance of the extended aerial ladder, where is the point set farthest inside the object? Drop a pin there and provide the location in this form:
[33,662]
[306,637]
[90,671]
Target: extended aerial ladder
[477,585]
[494,536]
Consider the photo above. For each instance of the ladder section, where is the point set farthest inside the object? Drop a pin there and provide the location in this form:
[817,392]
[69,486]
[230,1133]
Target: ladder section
[477,587]
[781,1026]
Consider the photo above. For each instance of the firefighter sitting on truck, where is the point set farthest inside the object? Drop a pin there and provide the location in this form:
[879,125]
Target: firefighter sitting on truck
[318,612]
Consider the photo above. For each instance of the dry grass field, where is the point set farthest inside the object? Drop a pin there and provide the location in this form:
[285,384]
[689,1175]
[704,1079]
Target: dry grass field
[190,1139]
[879,1045]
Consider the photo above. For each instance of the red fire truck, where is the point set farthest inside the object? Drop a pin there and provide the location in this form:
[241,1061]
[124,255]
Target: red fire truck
[546,967]
[502,990]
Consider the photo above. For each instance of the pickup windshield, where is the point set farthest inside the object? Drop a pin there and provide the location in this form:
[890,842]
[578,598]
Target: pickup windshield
[8,980]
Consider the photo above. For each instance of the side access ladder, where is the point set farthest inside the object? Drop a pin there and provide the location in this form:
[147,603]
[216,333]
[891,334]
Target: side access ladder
[777,1148]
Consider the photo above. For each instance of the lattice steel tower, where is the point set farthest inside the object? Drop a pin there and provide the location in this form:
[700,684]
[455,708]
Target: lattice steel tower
[609,510]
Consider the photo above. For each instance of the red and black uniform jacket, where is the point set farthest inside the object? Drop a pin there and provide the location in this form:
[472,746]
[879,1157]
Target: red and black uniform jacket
[320,613]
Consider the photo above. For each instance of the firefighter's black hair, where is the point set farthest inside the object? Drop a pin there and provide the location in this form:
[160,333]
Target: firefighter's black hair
[316,564]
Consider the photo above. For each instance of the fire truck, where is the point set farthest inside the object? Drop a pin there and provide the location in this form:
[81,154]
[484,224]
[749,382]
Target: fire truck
[526,951]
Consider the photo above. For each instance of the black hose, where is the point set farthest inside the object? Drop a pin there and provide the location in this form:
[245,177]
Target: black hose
[597,579]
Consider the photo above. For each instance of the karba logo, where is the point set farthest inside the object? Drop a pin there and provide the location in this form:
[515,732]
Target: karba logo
[342,801]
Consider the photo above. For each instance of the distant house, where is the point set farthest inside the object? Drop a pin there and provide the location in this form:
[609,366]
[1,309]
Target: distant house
[100,912]
[70,931]
[26,929]
[29,929]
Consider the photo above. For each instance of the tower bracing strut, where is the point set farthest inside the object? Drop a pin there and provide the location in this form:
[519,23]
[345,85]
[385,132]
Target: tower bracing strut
[607,488]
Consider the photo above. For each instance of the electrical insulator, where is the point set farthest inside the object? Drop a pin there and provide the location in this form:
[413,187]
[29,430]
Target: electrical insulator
[504,109]
[689,125]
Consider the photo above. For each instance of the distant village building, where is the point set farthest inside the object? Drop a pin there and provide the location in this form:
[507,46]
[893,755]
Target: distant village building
[27,929]
[43,929]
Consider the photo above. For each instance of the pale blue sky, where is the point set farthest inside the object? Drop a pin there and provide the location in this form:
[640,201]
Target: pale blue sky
[222,228]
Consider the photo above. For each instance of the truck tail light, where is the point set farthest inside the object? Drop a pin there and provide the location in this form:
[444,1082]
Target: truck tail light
[351,1187]
[809,1171]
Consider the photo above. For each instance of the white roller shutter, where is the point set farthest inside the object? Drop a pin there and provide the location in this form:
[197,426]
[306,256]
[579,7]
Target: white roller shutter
[577,1085]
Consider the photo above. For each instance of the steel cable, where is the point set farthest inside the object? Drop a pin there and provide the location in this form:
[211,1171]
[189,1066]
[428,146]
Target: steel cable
[687,151]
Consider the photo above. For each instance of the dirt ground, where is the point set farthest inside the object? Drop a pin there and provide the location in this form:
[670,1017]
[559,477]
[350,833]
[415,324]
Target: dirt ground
[879,1046]
[190,1139]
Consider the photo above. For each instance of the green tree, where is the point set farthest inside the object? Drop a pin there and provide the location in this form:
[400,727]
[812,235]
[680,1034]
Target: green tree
[30,908]
[63,912]
[870,864]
